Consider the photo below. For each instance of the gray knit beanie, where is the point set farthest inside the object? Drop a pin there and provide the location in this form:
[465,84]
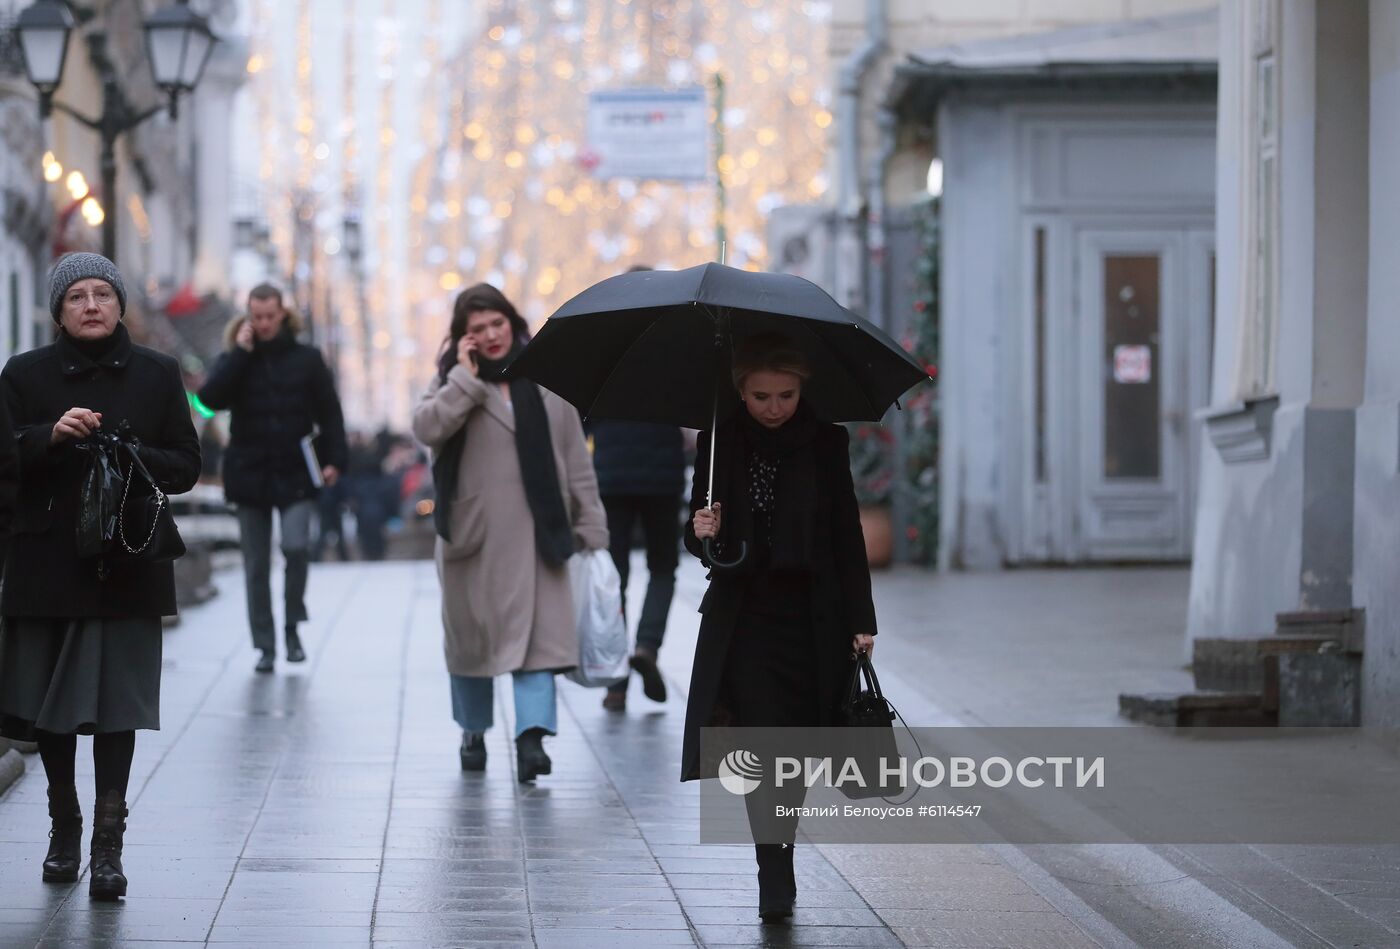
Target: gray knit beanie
[80,266]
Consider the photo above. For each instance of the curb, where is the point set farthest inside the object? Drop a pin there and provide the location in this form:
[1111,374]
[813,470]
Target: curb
[11,769]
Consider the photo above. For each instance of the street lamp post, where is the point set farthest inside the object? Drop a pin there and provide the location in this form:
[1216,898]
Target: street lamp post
[353,240]
[178,42]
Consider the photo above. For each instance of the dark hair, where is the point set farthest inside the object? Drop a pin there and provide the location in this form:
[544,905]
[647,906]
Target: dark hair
[265,291]
[476,299]
[770,352]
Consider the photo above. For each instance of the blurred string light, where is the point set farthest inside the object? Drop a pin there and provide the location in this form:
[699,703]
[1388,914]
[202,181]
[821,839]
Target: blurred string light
[53,170]
[497,188]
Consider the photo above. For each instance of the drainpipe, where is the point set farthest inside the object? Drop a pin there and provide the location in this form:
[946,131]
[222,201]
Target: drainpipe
[850,202]
[879,314]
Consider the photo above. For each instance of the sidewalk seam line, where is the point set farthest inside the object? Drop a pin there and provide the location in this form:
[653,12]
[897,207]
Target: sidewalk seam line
[583,732]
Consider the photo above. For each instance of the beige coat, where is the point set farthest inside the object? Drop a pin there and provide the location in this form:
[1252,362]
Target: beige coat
[503,608]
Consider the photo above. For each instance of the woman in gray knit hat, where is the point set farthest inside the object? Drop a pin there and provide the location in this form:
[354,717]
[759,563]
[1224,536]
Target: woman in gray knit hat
[81,649]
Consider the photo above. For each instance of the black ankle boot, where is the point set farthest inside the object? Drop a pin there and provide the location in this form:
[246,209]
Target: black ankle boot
[66,838]
[530,759]
[294,651]
[105,878]
[777,890]
[473,753]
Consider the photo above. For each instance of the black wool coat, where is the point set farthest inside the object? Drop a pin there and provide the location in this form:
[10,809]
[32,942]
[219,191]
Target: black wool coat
[841,605]
[277,393]
[9,479]
[43,575]
[637,458]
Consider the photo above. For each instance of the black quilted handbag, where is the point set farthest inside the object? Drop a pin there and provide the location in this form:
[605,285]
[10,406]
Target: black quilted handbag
[865,707]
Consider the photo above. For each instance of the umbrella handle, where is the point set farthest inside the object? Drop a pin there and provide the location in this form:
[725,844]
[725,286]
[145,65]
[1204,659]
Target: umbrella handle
[724,565]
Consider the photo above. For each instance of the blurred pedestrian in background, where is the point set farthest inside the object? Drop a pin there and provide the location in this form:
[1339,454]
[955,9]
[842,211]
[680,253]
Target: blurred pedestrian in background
[641,474]
[779,632]
[516,497]
[279,392]
[80,652]
[641,477]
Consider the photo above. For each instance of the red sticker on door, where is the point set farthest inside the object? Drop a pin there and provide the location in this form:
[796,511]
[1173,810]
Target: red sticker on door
[1132,364]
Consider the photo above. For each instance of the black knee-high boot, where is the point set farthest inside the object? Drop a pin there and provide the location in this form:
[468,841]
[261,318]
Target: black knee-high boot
[777,888]
[66,836]
[106,881]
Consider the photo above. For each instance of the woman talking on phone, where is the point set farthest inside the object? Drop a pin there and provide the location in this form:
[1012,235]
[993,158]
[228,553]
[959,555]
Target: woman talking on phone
[516,497]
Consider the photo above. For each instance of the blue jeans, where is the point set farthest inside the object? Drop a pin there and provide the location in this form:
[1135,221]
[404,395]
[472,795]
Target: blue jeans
[473,702]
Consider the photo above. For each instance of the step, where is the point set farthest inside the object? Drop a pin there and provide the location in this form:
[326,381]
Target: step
[1348,627]
[1238,665]
[1202,708]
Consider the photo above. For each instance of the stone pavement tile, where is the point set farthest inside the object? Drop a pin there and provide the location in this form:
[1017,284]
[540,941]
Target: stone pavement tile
[82,943]
[596,939]
[516,935]
[115,931]
[748,897]
[464,901]
[290,936]
[797,934]
[306,865]
[935,896]
[812,915]
[498,925]
[164,882]
[626,919]
[990,937]
[285,915]
[411,941]
[610,867]
[26,822]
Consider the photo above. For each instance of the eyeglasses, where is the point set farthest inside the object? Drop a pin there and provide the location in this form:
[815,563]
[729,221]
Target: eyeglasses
[77,300]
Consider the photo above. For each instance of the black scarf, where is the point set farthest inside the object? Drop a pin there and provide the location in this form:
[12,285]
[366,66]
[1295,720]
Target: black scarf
[553,535]
[773,476]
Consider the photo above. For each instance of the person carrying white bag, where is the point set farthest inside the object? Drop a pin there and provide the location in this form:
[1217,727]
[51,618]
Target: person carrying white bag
[602,631]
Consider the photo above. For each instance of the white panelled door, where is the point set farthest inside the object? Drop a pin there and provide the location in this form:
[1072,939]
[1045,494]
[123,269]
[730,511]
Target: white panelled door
[1142,315]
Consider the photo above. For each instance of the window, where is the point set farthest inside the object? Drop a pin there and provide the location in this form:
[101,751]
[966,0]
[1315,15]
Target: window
[1262,299]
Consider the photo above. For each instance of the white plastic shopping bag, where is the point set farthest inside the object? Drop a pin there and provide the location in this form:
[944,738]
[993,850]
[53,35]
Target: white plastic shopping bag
[602,632]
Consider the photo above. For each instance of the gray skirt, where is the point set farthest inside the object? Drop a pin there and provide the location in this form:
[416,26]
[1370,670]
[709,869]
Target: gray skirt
[79,676]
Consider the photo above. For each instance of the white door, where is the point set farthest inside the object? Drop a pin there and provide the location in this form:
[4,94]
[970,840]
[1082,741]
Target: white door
[1141,316]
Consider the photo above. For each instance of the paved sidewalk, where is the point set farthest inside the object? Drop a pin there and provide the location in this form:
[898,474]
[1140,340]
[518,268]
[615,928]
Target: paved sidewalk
[324,806]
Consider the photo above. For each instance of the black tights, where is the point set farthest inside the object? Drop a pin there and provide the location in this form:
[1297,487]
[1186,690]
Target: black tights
[111,758]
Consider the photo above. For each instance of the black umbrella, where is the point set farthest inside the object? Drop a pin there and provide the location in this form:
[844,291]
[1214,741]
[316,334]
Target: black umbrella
[655,346]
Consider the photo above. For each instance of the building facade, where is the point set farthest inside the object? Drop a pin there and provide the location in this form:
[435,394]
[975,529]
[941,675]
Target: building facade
[25,212]
[1301,480]
[1075,148]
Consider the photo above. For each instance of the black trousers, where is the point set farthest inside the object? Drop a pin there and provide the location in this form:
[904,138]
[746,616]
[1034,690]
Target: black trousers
[659,515]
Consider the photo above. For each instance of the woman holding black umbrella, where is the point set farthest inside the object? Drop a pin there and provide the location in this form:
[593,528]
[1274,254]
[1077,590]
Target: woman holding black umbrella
[780,630]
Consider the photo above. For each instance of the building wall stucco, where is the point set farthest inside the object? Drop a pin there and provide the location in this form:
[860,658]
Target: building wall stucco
[1377,535]
[1276,534]
[978,163]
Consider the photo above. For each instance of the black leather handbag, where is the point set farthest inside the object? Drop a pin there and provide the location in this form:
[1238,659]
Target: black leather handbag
[864,707]
[145,525]
[123,514]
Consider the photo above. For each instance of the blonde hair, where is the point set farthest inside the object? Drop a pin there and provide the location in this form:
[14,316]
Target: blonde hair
[768,352]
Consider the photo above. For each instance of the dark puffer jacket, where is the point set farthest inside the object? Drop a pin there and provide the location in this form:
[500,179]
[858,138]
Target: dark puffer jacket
[637,458]
[128,383]
[277,393]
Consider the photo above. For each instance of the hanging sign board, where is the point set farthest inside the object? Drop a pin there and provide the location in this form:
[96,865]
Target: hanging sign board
[1132,364]
[658,134]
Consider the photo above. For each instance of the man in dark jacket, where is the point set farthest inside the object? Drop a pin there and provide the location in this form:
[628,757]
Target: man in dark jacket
[286,438]
[641,474]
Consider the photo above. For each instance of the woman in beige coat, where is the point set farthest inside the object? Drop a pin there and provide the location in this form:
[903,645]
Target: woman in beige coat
[516,496]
